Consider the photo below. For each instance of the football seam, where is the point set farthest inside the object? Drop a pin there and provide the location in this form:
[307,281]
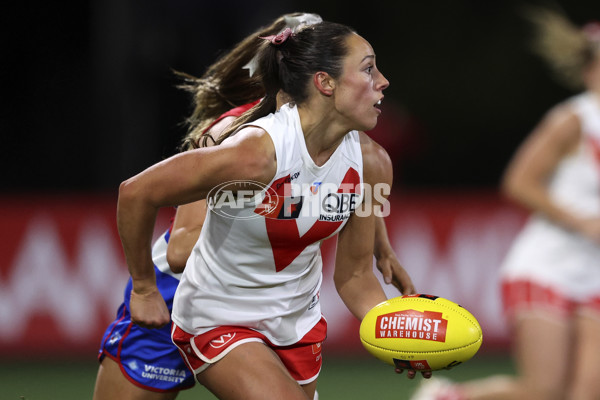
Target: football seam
[422,352]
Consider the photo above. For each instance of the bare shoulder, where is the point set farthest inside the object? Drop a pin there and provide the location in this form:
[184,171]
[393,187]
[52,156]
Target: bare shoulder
[563,113]
[252,150]
[563,118]
[377,164]
[253,137]
[561,125]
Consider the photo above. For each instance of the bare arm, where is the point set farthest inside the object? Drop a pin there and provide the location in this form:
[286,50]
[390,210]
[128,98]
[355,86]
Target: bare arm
[527,175]
[354,279]
[189,218]
[249,155]
[353,276]
[387,262]
[187,226]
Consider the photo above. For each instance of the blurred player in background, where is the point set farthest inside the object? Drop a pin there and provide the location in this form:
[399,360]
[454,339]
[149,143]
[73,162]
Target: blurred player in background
[551,276]
[142,363]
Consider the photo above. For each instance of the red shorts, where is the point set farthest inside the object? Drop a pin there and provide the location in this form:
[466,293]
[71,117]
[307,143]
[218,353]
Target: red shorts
[523,295]
[303,359]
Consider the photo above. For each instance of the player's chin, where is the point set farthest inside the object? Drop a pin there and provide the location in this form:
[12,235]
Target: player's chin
[371,126]
[368,123]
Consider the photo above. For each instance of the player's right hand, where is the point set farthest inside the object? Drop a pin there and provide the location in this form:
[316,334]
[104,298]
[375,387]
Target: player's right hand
[411,373]
[149,309]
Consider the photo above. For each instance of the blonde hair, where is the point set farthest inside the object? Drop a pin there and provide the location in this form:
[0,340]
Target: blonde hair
[563,45]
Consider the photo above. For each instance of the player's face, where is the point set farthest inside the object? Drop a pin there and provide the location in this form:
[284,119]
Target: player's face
[360,87]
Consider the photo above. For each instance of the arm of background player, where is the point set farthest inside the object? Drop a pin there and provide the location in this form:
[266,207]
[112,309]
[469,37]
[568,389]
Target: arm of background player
[187,225]
[527,175]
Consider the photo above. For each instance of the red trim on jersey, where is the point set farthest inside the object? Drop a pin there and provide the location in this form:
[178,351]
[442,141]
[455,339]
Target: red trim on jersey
[234,112]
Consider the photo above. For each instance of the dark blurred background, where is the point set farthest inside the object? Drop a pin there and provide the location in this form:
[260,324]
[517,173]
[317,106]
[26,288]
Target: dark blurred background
[89,98]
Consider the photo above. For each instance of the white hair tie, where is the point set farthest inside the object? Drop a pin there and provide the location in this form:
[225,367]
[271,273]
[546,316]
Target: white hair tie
[294,23]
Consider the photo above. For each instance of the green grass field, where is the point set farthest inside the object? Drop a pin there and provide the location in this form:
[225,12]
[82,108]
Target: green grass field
[348,379]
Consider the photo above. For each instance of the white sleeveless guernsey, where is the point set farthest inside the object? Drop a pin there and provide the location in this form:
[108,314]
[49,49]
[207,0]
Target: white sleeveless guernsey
[549,254]
[257,262]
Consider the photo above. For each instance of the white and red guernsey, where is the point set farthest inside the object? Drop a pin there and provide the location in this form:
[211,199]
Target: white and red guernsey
[563,262]
[257,262]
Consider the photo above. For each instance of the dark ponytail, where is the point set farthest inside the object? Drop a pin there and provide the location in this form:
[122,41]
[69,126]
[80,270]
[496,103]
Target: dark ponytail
[288,65]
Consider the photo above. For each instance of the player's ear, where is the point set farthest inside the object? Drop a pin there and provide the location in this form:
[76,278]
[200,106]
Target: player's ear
[324,83]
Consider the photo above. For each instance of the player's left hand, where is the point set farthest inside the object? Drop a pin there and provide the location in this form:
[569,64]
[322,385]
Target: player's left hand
[393,273]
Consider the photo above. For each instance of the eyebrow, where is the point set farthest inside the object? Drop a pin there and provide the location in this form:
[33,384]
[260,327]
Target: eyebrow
[369,56]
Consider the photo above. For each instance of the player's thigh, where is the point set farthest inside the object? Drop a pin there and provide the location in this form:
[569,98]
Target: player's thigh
[543,345]
[111,384]
[251,371]
[310,389]
[585,379]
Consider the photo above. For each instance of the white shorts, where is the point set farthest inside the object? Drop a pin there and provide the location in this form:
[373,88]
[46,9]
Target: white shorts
[303,359]
[550,257]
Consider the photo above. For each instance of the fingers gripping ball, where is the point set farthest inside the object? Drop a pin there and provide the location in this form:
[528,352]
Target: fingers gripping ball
[421,332]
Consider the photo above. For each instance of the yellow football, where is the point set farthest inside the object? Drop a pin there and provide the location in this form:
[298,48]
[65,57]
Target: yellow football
[421,332]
